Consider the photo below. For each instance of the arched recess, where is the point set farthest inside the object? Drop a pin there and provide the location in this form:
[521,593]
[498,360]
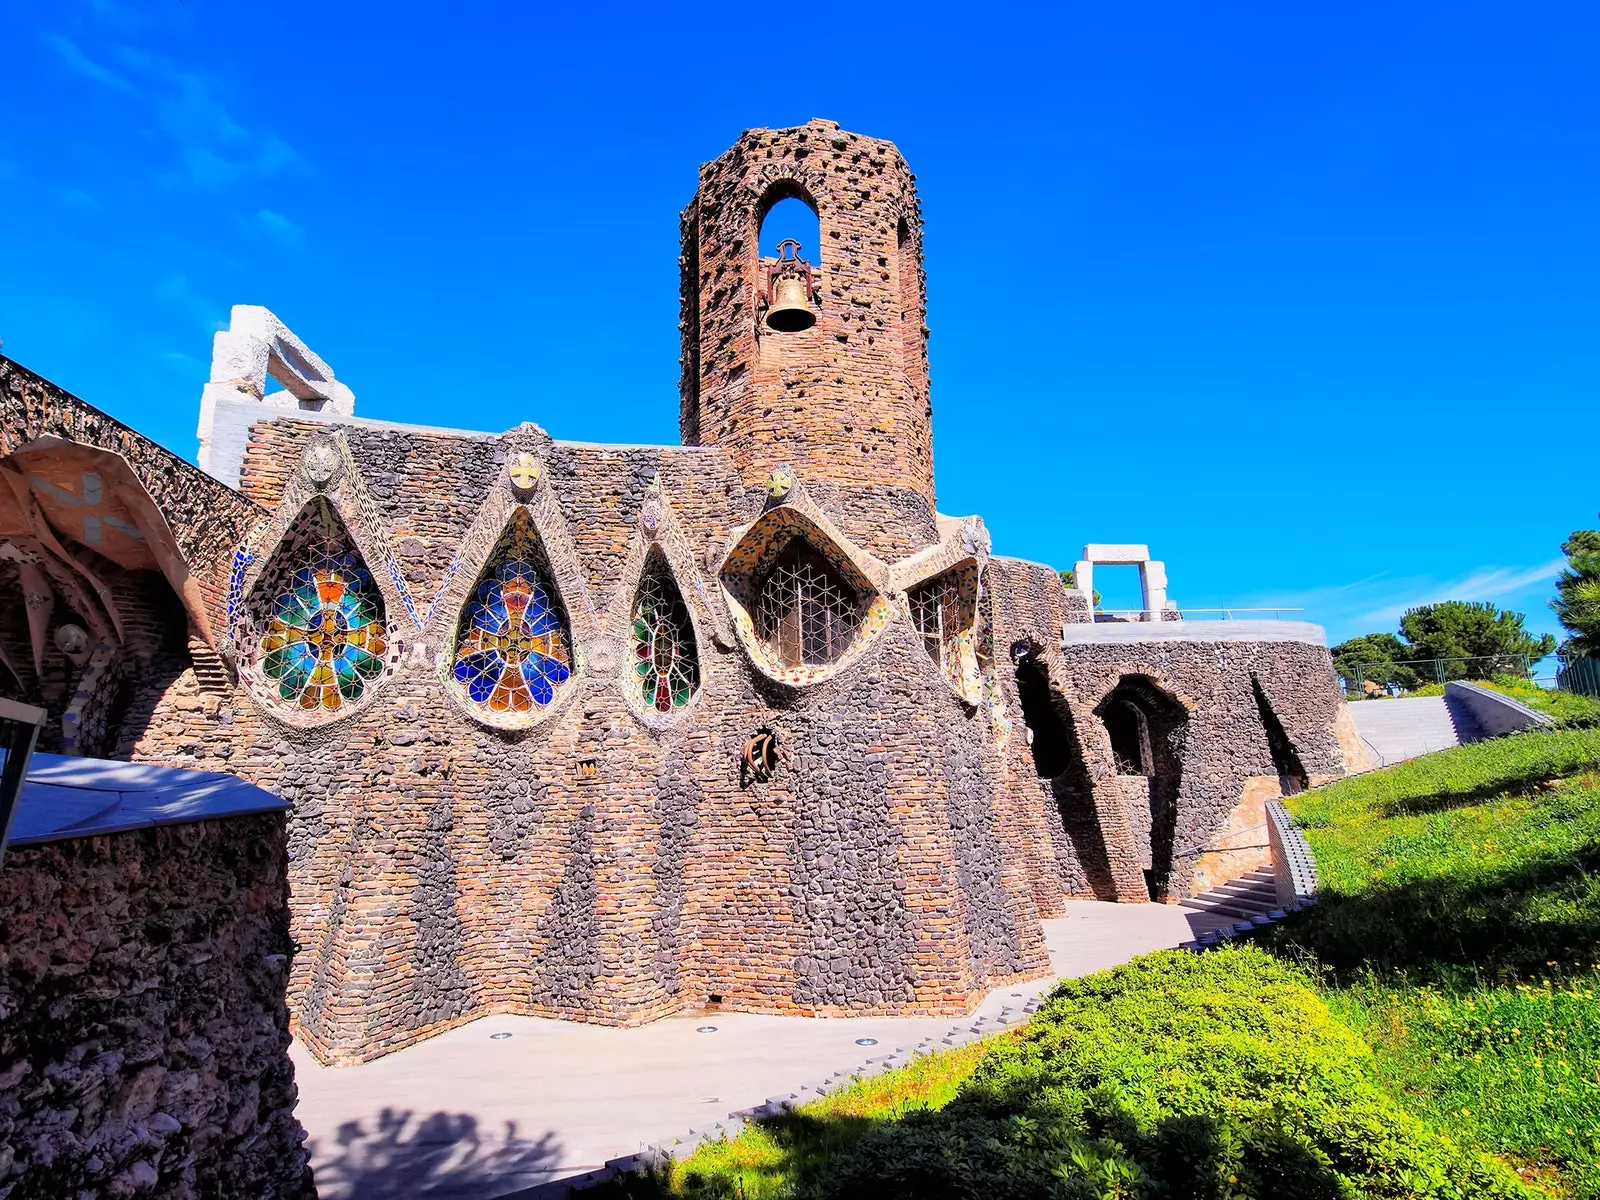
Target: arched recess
[1292,777]
[313,634]
[1058,758]
[511,659]
[1148,732]
[803,606]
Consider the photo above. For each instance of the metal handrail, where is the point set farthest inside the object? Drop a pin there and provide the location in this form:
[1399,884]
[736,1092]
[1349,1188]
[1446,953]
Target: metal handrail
[1183,614]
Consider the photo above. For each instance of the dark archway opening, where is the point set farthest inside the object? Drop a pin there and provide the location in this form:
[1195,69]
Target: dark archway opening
[1148,731]
[1130,738]
[1058,757]
[1292,777]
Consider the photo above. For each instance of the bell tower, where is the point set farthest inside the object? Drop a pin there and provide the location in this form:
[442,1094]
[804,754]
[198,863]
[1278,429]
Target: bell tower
[815,356]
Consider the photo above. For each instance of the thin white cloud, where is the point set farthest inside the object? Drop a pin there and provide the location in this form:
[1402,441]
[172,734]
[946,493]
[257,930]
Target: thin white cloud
[82,64]
[211,149]
[1498,584]
[1377,602]
[281,229]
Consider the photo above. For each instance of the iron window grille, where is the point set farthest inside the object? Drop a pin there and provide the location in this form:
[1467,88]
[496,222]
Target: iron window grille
[806,612]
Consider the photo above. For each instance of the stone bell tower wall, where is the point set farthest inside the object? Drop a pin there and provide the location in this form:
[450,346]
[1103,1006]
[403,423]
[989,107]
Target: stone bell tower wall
[846,401]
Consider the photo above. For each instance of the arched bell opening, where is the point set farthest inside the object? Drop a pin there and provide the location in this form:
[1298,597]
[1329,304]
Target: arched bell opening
[1148,731]
[314,639]
[788,259]
[511,658]
[663,661]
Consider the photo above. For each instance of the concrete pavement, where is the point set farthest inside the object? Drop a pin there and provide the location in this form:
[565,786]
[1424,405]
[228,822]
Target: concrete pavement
[469,1115]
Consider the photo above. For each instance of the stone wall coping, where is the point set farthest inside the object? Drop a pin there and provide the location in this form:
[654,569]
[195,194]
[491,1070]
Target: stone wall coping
[1122,632]
[1494,711]
[66,797]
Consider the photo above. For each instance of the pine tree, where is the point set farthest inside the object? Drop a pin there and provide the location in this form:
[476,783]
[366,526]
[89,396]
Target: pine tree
[1577,602]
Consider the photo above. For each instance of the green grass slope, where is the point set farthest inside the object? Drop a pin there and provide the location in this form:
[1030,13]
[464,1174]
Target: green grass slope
[1459,932]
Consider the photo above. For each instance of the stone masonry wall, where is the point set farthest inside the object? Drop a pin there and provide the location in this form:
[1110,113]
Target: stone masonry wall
[143,1031]
[443,869]
[847,399]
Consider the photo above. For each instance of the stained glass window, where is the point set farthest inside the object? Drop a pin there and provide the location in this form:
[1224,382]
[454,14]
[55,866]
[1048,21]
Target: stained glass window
[666,669]
[512,652]
[324,640]
[806,612]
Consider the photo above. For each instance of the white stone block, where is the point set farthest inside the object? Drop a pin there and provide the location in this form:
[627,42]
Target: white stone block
[1119,554]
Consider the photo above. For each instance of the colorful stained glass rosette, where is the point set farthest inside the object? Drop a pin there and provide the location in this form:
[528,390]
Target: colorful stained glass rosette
[665,666]
[514,652]
[325,641]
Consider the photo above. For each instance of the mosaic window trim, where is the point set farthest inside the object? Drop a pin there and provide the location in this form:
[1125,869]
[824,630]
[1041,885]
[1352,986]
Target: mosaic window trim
[749,564]
[662,665]
[511,661]
[313,633]
[945,616]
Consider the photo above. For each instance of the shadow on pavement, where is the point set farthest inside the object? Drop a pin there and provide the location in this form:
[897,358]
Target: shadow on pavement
[444,1156]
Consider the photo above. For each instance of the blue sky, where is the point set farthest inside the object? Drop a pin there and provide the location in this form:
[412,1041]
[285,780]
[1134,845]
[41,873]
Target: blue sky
[1305,300]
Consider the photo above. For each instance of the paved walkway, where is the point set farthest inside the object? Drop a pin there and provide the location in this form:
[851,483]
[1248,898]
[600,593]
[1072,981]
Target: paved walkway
[468,1116]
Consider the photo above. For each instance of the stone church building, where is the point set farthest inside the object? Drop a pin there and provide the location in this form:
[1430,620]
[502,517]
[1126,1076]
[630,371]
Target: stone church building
[606,732]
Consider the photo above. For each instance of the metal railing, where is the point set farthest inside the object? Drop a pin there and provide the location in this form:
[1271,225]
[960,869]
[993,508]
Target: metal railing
[1190,614]
[1373,680]
[1577,673]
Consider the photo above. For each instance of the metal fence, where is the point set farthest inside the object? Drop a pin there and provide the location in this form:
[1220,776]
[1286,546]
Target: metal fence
[1579,674]
[1367,680]
[1195,614]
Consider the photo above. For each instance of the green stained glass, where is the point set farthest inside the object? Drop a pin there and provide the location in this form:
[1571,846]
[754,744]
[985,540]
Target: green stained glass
[665,661]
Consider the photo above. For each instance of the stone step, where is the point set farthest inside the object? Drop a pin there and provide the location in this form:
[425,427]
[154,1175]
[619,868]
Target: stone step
[1409,726]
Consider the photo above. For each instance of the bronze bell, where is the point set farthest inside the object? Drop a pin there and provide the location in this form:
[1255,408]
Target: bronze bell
[790,294]
[789,312]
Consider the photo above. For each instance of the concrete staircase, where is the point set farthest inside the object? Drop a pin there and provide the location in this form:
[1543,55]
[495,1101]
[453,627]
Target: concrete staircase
[1406,727]
[1253,895]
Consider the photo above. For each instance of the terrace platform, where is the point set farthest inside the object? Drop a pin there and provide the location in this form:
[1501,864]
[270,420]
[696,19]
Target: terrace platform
[468,1116]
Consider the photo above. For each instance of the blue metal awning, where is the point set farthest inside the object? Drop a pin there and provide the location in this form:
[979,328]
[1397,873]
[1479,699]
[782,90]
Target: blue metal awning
[65,797]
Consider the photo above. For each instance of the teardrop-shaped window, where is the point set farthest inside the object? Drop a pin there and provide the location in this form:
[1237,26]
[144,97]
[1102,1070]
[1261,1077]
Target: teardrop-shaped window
[665,663]
[944,612]
[315,633]
[513,650]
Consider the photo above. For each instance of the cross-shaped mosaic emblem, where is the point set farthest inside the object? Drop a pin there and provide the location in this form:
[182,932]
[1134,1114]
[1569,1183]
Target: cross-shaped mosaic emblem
[525,472]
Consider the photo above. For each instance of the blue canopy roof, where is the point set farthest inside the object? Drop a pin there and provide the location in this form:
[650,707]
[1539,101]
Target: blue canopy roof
[64,797]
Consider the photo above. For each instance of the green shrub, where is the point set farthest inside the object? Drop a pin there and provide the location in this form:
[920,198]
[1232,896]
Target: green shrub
[1203,1076]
